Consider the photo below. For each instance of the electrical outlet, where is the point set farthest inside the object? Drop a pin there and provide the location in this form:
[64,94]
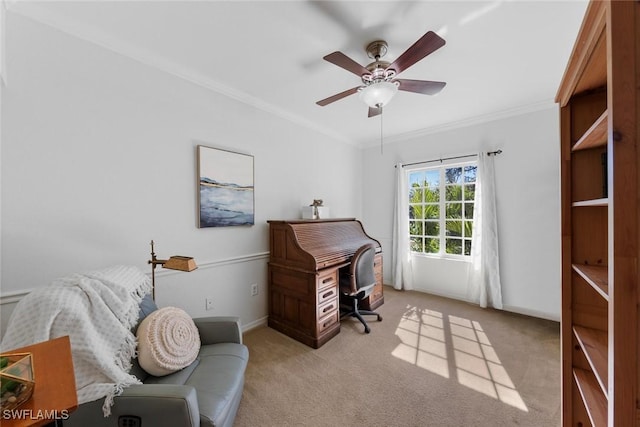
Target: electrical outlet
[208,303]
[254,289]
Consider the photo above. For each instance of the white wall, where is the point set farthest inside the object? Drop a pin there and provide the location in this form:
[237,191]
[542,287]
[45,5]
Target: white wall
[528,196]
[98,158]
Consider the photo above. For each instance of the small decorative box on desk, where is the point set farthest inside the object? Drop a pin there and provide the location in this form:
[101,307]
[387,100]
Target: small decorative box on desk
[315,212]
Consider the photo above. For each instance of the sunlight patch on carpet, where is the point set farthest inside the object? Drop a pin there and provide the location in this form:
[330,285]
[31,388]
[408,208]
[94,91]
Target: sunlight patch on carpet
[423,341]
[451,345]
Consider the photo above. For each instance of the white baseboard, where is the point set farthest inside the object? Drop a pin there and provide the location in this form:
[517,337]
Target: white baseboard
[531,313]
[509,308]
[255,324]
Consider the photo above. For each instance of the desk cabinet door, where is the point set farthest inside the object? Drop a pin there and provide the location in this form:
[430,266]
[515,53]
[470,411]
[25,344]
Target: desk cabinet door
[376,298]
[292,299]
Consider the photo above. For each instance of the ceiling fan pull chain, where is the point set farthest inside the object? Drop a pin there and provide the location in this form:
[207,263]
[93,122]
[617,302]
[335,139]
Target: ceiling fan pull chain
[381,145]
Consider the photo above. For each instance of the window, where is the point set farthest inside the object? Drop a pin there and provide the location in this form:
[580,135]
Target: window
[441,202]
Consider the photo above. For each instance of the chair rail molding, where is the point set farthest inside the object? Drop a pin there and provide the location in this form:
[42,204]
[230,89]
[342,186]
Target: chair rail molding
[221,262]
[14,297]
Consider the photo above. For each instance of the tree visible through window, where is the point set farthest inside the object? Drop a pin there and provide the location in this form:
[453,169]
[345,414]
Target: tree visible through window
[441,202]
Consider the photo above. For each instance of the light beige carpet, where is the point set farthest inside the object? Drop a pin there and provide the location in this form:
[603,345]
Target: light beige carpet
[432,361]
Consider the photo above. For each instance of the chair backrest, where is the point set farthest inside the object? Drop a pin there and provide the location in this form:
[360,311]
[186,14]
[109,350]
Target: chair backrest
[147,306]
[362,270]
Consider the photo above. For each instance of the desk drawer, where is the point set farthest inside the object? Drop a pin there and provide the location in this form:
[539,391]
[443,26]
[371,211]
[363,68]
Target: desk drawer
[327,308]
[328,321]
[376,294]
[327,279]
[327,294]
[377,264]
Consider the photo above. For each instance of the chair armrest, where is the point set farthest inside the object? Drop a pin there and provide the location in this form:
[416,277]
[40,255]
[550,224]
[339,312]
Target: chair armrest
[219,329]
[160,404]
[155,404]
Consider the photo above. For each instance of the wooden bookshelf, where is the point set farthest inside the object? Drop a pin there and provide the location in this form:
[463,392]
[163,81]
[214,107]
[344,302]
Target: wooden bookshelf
[594,345]
[594,402]
[595,202]
[596,276]
[599,100]
[595,136]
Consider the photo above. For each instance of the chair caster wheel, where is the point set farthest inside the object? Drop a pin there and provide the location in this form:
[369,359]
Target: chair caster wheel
[379,318]
[367,330]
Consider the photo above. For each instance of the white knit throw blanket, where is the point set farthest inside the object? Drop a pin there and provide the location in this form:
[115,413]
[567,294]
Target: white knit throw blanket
[97,310]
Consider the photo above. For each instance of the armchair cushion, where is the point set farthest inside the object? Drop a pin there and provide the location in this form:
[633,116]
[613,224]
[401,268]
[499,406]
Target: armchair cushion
[214,375]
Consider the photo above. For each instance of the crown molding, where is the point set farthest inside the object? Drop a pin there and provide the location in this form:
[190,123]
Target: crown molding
[93,35]
[97,37]
[471,121]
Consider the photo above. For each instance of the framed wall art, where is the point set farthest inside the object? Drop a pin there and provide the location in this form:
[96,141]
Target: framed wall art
[225,194]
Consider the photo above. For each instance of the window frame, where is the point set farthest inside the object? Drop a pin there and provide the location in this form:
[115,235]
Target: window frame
[442,203]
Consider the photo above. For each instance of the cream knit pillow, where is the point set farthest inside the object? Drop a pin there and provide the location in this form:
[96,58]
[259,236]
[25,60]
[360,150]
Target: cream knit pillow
[168,341]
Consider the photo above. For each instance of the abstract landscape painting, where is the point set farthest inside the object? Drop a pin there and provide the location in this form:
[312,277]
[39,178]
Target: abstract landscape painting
[225,188]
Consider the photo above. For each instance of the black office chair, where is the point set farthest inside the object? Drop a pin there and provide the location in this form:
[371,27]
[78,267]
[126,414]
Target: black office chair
[358,283]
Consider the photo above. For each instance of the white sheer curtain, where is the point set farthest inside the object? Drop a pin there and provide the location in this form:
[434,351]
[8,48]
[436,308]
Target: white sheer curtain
[484,279]
[401,271]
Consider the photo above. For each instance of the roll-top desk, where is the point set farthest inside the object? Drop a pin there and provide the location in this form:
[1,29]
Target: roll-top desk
[305,261]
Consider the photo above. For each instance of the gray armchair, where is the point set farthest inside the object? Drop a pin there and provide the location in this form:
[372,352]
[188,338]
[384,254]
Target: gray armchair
[206,393]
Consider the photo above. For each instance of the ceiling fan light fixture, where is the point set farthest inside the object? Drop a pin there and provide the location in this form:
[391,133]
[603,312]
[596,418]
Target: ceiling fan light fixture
[378,94]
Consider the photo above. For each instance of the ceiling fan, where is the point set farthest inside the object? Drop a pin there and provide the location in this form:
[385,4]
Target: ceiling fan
[379,82]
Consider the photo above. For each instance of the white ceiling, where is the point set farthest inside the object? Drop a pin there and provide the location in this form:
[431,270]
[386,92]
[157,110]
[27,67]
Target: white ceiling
[500,57]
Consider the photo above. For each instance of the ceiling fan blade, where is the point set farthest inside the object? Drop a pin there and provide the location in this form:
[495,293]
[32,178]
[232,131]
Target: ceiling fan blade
[338,96]
[343,61]
[427,44]
[425,87]
[374,111]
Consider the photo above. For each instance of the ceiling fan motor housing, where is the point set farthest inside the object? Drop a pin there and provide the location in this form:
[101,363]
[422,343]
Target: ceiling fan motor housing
[377,49]
[378,69]
[379,73]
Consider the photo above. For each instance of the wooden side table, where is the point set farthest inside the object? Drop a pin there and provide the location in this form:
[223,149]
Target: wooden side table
[54,395]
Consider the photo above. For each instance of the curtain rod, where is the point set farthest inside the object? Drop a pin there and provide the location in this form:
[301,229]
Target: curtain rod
[489,153]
